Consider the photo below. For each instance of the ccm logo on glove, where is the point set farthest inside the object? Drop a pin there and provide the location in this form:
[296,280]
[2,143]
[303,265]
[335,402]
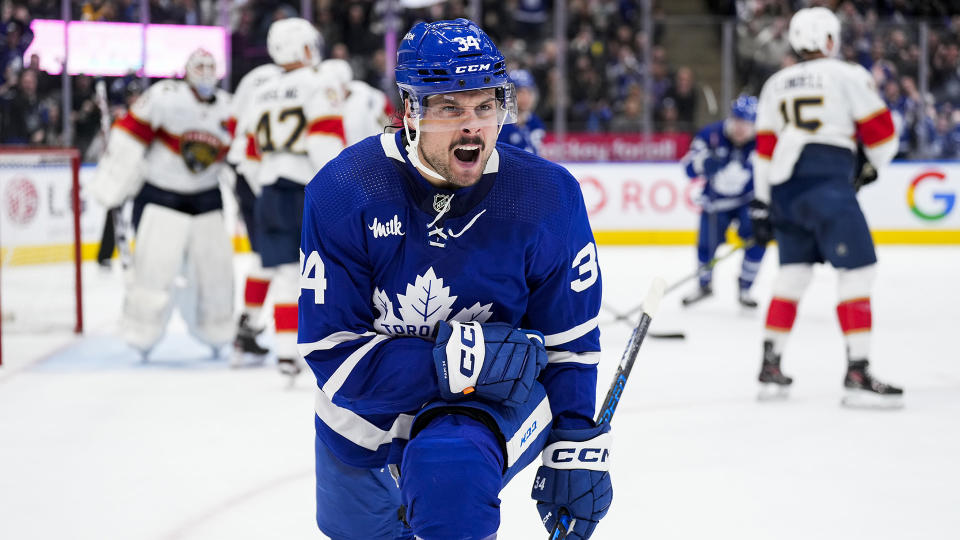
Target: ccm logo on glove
[466,343]
[593,454]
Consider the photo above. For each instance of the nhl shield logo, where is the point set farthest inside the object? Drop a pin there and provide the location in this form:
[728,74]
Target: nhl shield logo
[440,200]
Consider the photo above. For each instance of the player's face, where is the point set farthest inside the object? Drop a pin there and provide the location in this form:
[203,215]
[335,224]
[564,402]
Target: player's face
[740,131]
[458,134]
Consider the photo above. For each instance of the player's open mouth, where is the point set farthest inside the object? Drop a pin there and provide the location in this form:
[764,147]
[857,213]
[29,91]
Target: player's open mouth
[467,153]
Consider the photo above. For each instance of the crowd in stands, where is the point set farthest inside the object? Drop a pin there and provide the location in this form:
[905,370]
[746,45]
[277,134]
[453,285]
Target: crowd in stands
[606,50]
[884,37]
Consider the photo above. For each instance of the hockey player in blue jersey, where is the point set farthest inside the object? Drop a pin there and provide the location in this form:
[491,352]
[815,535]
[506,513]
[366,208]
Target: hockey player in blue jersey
[528,131]
[721,155]
[450,290]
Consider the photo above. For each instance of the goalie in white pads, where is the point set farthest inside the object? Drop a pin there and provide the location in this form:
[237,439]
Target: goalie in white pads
[168,153]
[296,122]
[810,121]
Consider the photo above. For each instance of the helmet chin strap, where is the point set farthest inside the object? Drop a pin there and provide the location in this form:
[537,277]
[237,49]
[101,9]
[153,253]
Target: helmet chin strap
[414,154]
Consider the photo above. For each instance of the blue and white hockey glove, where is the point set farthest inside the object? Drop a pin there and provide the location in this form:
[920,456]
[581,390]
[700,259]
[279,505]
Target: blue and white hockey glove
[490,361]
[575,479]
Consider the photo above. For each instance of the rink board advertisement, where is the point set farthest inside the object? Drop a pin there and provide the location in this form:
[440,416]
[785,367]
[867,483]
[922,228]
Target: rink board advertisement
[655,203]
[628,203]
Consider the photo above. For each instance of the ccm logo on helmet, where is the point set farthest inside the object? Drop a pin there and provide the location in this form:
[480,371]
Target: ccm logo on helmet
[585,455]
[471,69]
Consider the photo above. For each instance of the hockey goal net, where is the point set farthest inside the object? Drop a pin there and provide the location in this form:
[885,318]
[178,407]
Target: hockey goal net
[40,246]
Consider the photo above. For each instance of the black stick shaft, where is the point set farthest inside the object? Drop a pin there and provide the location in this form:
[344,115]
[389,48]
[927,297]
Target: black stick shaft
[650,304]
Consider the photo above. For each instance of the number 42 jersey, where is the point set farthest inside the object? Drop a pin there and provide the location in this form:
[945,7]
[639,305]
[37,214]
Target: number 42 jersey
[385,256]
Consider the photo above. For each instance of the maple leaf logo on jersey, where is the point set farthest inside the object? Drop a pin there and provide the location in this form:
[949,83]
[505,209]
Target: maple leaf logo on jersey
[425,302]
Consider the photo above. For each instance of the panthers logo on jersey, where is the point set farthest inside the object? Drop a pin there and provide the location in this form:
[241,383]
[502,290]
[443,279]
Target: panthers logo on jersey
[200,150]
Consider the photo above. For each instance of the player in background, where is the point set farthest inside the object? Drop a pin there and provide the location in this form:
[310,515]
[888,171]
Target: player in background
[366,110]
[722,154]
[528,131]
[811,118]
[296,122]
[168,153]
[425,252]
[257,283]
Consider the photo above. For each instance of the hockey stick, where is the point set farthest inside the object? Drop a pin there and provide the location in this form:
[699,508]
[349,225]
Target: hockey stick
[649,307]
[705,266]
[122,229]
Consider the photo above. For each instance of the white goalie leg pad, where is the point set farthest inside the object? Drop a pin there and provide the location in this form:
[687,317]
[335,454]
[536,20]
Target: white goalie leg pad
[118,175]
[210,261]
[286,292]
[593,454]
[162,239]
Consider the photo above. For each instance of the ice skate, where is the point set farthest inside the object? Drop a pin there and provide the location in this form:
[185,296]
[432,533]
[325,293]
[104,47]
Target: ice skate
[247,352]
[774,385]
[746,300]
[289,367]
[703,292]
[862,391]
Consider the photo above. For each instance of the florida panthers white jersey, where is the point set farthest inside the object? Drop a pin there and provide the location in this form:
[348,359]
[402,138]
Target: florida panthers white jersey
[186,137]
[366,112]
[821,101]
[296,121]
[242,99]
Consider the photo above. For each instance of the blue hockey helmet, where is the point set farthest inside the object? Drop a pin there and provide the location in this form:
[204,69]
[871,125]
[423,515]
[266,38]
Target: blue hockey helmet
[523,79]
[452,56]
[744,108]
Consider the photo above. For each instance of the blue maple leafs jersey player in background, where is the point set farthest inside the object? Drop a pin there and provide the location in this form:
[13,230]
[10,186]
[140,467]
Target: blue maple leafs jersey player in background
[449,302]
[721,153]
[528,131]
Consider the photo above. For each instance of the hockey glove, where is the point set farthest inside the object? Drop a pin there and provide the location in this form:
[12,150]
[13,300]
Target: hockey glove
[711,165]
[490,361]
[868,174]
[575,479]
[759,214]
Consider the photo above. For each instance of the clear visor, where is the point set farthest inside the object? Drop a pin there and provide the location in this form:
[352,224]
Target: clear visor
[471,109]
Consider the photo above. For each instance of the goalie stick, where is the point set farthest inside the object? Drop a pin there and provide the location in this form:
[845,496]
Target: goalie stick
[649,307]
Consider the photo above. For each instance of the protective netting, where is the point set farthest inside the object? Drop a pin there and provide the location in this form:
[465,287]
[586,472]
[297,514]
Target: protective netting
[39,251]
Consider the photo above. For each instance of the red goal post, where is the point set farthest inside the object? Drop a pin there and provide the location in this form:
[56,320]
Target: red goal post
[26,158]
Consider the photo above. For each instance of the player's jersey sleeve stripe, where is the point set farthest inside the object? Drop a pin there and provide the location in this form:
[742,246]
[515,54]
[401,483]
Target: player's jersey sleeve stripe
[339,376]
[356,429]
[766,142]
[876,128]
[170,140]
[136,127]
[331,341]
[569,335]
[565,357]
[253,153]
[231,126]
[328,125]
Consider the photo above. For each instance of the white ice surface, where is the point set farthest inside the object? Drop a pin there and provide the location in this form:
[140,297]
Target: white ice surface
[95,444]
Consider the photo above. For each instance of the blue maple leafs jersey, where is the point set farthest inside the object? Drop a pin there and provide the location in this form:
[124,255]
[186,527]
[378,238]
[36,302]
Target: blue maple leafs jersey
[727,168]
[528,136]
[385,256]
